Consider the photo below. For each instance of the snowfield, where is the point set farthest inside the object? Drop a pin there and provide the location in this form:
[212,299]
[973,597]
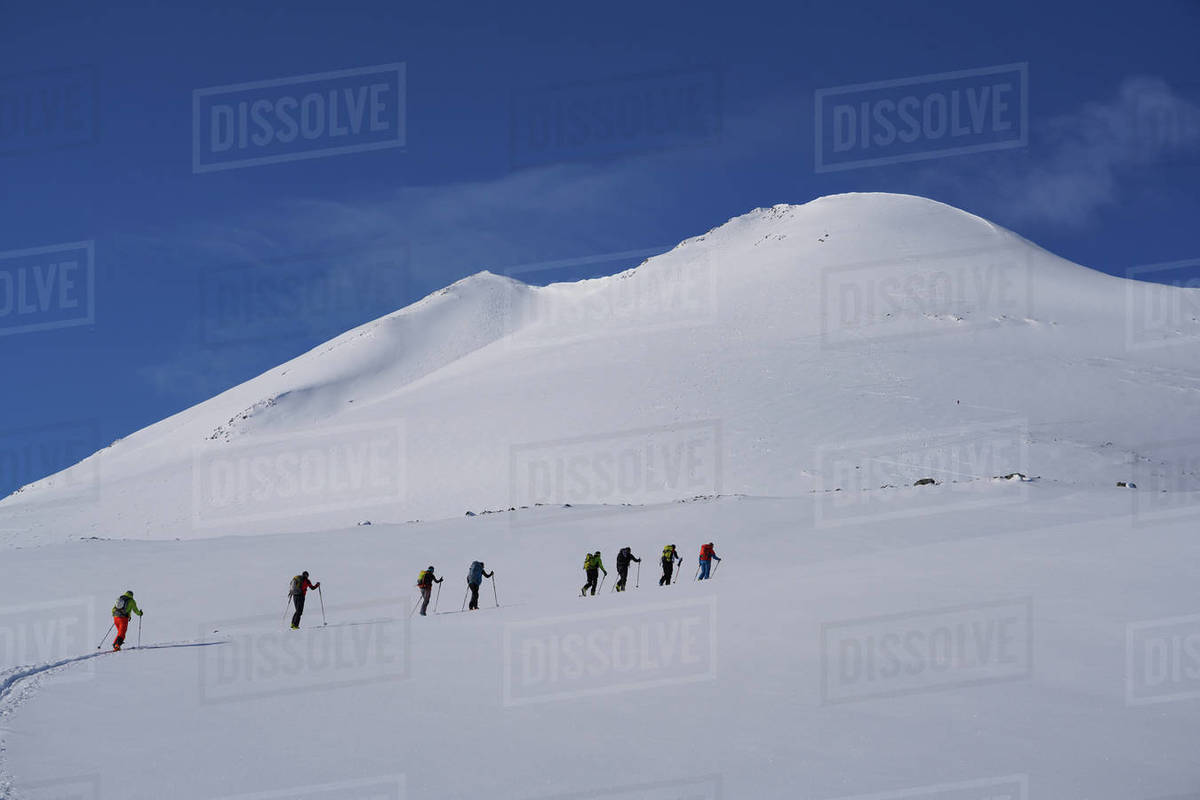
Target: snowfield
[1020,627]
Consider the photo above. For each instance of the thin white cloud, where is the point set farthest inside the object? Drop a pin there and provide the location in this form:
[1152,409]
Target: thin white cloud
[1082,161]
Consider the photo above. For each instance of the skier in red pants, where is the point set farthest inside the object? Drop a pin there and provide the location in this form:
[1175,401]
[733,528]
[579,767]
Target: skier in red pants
[121,611]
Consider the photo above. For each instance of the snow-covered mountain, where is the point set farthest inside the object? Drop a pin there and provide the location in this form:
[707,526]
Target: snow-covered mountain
[760,358]
[1022,629]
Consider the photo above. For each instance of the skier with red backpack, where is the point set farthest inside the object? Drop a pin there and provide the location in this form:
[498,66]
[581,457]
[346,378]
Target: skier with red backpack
[707,554]
[425,581]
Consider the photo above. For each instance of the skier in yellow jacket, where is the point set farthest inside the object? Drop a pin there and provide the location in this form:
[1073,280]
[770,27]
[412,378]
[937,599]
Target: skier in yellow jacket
[592,564]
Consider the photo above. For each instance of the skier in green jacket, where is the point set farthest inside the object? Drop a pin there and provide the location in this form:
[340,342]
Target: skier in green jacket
[121,611]
[593,564]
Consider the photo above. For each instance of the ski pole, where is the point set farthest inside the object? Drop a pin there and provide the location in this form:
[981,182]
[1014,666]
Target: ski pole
[467,592]
[494,594]
[638,581]
[105,636]
[436,599]
[322,599]
[602,580]
[697,575]
[412,610]
[717,567]
[286,606]
[139,644]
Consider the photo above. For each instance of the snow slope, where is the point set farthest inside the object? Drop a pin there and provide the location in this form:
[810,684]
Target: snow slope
[754,685]
[760,345]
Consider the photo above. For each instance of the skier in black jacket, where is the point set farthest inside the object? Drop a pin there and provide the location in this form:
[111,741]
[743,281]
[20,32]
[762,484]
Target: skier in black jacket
[623,559]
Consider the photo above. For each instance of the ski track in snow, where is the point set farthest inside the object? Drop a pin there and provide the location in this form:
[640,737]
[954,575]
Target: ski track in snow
[19,684]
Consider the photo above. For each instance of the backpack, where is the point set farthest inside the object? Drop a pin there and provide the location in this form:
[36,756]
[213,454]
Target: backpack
[297,586]
[475,573]
[706,551]
[589,561]
[623,557]
[122,604]
[424,578]
[668,553]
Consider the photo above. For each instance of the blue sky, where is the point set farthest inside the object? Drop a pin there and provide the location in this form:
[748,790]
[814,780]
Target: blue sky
[203,278]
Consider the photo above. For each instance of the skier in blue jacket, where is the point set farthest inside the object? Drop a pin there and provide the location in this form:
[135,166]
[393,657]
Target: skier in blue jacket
[475,576]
